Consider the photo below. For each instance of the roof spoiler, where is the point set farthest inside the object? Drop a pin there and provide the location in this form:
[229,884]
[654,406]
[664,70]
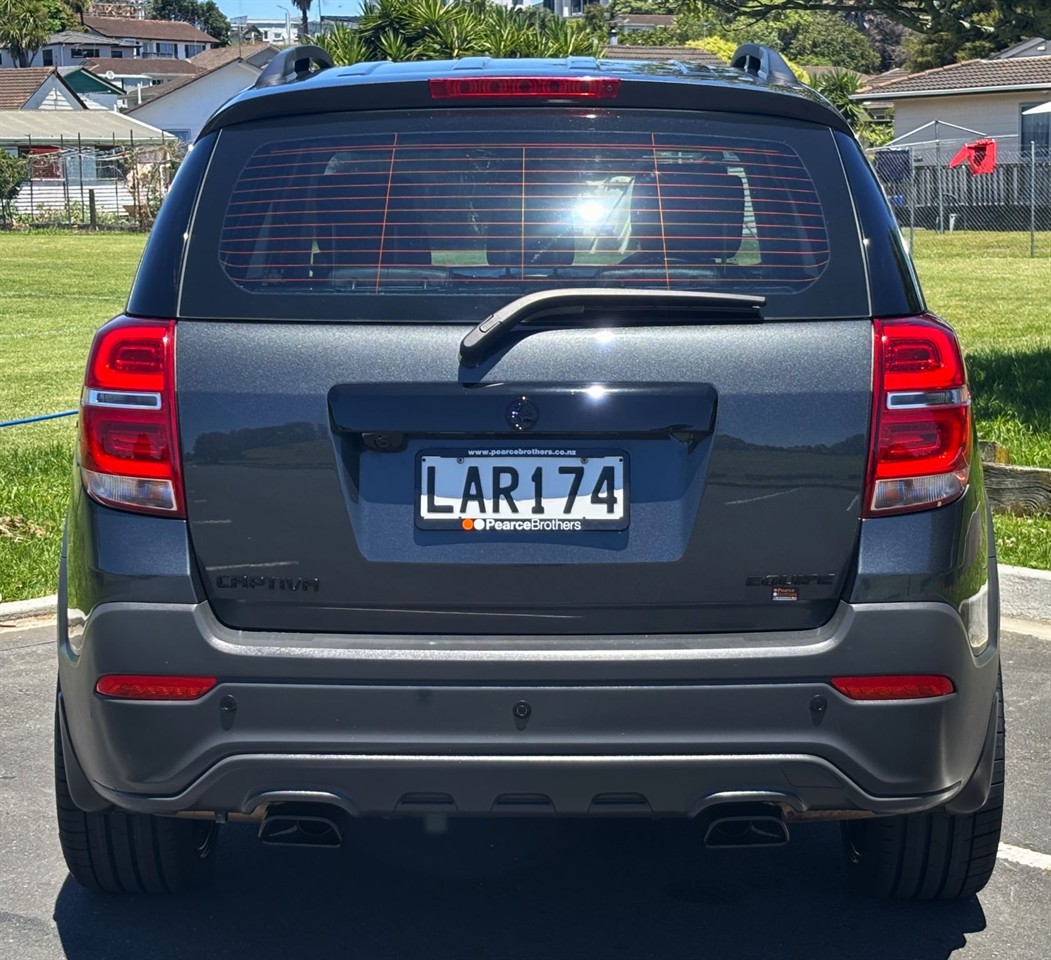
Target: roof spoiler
[293,64]
[764,63]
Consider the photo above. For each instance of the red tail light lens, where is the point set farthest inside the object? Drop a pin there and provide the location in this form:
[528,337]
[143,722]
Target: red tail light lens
[147,687]
[905,687]
[605,88]
[129,455]
[921,418]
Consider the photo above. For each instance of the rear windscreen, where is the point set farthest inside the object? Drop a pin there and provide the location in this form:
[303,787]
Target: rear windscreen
[359,217]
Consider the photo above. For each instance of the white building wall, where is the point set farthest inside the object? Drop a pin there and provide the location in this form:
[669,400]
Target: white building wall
[52,95]
[992,114]
[185,110]
[62,55]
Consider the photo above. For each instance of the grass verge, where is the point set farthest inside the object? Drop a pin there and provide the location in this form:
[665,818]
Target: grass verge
[56,288]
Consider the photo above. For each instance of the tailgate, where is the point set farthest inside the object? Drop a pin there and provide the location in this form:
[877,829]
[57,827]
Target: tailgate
[744,450]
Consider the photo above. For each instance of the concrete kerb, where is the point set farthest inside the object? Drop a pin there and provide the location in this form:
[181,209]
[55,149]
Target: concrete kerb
[15,611]
[1024,594]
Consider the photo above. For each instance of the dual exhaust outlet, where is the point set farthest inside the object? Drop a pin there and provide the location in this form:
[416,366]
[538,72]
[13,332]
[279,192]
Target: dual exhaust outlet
[325,826]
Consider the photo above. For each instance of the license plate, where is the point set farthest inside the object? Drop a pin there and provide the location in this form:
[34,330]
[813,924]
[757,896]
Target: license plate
[509,493]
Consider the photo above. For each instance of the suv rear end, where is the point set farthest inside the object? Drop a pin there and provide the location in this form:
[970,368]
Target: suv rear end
[529,437]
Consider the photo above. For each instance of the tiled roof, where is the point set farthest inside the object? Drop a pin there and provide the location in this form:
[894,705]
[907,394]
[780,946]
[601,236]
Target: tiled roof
[81,39]
[1015,73]
[17,86]
[148,29]
[141,66]
[217,56]
[158,90]
[624,51]
[647,19]
[150,94]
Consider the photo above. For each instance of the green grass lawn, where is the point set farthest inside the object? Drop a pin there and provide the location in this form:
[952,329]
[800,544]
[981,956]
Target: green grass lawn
[55,289]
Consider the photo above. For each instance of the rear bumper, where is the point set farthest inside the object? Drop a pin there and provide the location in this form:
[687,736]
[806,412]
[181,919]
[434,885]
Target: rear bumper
[620,725]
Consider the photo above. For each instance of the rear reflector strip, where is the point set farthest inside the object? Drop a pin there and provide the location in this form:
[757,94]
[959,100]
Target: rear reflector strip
[145,687]
[543,87]
[904,687]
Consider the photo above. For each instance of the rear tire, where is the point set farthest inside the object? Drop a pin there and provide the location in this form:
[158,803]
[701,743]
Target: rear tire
[116,852]
[929,856]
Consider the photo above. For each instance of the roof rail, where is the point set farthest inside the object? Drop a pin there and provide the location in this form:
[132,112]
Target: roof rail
[293,64]
[764,63]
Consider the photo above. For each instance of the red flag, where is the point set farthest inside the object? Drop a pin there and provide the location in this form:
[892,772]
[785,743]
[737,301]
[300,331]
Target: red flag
[980,156]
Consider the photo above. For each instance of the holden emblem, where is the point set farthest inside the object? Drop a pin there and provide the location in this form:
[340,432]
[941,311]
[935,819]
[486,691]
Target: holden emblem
[523,414]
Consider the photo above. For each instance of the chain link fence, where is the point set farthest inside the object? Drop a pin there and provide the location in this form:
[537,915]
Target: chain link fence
[1007,208]
[116,185]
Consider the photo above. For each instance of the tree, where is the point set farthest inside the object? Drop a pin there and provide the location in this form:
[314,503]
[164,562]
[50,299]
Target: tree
[304,9]
[838,86]
[14,171]
[204,16]
[956,28]
[436,30]
[78,8]
[24,28]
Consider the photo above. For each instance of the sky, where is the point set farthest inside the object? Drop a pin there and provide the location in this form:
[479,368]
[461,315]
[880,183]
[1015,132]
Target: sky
[269,9]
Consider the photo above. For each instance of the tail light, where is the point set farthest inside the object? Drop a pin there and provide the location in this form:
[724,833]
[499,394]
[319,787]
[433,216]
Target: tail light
[552,88]
[129,454]
[921,418]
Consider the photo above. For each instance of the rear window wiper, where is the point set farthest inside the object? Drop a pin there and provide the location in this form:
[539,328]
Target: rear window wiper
[725,307]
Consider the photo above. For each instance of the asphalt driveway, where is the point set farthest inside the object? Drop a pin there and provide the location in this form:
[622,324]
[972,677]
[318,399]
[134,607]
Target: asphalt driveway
[534,890]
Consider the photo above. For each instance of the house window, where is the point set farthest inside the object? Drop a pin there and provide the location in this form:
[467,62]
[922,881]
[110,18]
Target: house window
[47,58]
[109,163]
[1035,129]
[165,49]
[45,163]
[116,53]
[192,49]
[82,53]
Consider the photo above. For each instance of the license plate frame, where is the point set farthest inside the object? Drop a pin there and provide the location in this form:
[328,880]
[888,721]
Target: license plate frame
[526,521]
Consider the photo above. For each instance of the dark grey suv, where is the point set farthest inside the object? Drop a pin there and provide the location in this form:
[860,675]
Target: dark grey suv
[528,437]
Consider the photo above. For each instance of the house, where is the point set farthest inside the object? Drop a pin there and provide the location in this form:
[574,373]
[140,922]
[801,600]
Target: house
[181,107]
[130,74]
[70,47]
[256,54]
[1033,47]
[638,22]
[95,92]
[981,97]
[690,55]
[154,38]
[282,31]
[562,8]
[37,88]
[74,153]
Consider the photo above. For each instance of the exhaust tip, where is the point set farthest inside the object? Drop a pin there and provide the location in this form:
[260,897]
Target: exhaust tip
[314,827]
[746,831]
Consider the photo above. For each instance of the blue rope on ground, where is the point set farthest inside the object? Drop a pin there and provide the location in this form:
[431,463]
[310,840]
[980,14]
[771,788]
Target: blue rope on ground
[46,416]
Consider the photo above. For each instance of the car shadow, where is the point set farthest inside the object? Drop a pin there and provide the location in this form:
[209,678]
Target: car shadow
[541,890]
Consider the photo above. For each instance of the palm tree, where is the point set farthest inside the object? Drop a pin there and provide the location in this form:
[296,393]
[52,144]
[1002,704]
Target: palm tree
[79,8]
[23,28]
[436,29]
[304,8]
